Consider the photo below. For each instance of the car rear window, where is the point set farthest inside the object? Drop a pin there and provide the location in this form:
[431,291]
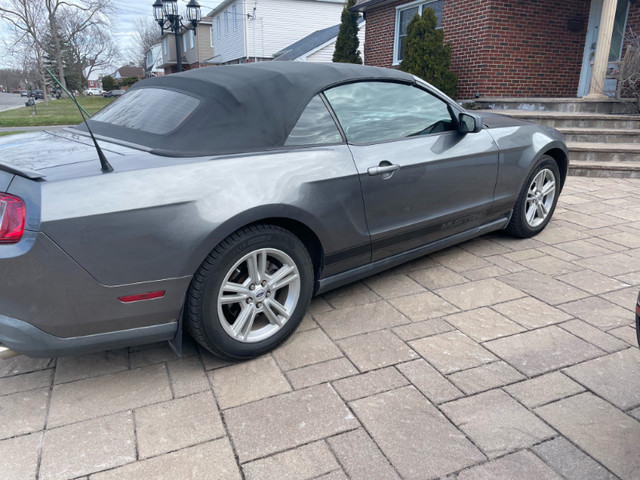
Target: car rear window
[152,110]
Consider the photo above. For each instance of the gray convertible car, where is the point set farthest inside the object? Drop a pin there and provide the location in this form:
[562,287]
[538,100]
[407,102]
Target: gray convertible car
[226,197]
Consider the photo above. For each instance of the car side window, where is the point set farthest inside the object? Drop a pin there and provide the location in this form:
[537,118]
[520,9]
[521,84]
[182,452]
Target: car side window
[315,126]
[372,112]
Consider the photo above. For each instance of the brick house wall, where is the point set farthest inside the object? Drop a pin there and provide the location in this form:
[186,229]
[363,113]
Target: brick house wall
[503,48]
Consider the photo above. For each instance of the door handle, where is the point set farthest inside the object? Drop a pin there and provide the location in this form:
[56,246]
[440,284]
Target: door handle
[383,168]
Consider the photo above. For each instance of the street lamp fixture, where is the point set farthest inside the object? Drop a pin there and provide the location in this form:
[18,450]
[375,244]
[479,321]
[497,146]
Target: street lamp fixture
[167,16]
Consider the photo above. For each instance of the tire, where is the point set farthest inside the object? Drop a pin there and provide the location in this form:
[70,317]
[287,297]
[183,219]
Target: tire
[250,293]
[537,200]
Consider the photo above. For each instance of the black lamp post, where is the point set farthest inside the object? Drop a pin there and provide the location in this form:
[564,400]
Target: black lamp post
[166,14]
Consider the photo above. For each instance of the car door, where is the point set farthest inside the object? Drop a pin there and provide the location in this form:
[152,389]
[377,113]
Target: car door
[422,180]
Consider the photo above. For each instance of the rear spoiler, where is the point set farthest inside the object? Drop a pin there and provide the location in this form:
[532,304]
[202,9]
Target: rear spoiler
[24,172]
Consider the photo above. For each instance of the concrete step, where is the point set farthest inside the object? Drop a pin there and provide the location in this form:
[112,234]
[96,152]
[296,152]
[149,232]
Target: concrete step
[568,105]
[603,152]
[605,169]
[575,120]
[601,135]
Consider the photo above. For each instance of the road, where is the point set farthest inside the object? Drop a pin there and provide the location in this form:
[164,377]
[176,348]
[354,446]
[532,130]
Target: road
[9,101]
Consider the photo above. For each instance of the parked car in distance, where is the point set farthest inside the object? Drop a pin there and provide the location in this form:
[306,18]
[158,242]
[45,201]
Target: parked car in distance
[239,192]
[93,91]
[115,93]
[38,94]
[24,93]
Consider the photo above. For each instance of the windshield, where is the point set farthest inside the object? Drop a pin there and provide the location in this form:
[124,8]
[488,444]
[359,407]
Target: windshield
[152,110]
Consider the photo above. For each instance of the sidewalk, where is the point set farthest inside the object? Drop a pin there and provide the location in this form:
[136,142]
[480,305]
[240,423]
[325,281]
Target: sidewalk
[497,359]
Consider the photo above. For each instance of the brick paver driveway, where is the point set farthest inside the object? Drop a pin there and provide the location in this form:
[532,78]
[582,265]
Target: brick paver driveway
[498,359]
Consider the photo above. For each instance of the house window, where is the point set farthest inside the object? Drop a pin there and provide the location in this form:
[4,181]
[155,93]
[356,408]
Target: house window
[211,35]
[226,23]
[404,14]
[164,45]
[184,42]
[190,38]
[234,12]
[218,27]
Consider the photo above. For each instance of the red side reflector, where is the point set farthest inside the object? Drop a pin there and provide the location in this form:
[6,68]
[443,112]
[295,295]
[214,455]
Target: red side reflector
[142,296]
[638,309]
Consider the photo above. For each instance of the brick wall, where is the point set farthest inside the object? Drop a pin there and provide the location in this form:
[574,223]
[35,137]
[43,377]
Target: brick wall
[500,48]
[633,21]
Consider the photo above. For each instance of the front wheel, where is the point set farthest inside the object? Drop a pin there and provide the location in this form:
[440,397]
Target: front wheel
[537,200]
[251,292]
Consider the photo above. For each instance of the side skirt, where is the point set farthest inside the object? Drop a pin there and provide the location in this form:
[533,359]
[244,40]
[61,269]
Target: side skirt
[334,281]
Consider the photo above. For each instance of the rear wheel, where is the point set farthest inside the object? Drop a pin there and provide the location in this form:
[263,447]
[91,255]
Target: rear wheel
[537,201]
[250,293]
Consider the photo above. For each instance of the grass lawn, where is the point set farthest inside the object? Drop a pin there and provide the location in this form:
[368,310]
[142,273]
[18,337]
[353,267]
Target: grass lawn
[58,112]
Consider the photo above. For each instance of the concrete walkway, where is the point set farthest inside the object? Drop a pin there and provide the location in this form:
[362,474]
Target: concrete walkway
[496,359]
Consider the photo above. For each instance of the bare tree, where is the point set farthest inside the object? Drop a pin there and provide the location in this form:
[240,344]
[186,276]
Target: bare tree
[630,68]
[147,34]
[28,27]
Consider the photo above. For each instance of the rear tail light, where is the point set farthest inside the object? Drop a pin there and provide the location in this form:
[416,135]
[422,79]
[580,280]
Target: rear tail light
[12,218]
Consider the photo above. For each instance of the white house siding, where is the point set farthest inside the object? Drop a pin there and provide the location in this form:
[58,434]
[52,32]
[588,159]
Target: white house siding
[230,46]
[283,22]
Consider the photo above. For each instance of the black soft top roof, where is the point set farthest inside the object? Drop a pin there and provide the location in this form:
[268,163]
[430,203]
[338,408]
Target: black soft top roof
[242,108]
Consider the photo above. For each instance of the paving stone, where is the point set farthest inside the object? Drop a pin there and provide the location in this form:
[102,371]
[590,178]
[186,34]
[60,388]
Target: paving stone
[427,328]
[360,457]
[594,336]
[25,382]
[23,412]
[391,286]
[571,462]
[582,248]
[429,381]
[306,348]
[615,377]
[625,239]
[543,350]
[485,377]
[611,265]
[23,364]
[93,397]
[599,313]
[601,430]
[459,260]
[78,367]
[400,421]
[176,424]
[308,323]
[248,381]
[531,313]
[187,376]
[544,287]
[550,251]
[629,278]
[519,465]
[496,422]
[614,247]
[483,324]
[276,424]
[452,351]
[484,247]
[318,305]
[356,320]
[625,298]
[301,463]
[87,447]
[544,389]
[437,277]
[376,350]
[337,475]
[161,353]
[479,294]
[211,362]
[484,273]
[592,282]
[369,384]
[19,457]
[555,234]
[635,413]
[548,265]
[423,306]
[321,373]
[520,255]
[213,461]
[626,333]
[506,264]
[516,244]
[350,296]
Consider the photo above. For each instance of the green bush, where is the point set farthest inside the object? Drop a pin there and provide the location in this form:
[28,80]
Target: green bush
[426,55]
[347,42]
[108,83]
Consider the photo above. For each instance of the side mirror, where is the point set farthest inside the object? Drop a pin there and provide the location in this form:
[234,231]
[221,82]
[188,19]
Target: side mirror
[469,123]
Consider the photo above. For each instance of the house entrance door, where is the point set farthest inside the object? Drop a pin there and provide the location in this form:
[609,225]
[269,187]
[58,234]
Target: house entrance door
[591,42]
